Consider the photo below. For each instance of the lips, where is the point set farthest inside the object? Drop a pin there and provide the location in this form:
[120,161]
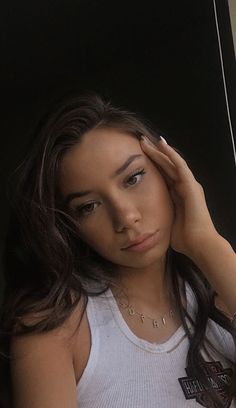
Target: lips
[138,240]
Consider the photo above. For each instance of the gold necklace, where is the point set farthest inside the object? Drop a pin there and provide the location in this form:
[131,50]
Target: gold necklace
[157,323]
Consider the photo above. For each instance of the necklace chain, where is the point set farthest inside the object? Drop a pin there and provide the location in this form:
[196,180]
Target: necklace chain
[157,323]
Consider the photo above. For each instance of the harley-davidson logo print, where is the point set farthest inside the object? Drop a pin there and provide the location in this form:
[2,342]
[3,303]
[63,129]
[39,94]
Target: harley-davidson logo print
[193,388]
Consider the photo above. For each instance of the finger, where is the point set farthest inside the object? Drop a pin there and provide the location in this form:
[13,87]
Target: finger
[171,153]
[168,180]
[161,160]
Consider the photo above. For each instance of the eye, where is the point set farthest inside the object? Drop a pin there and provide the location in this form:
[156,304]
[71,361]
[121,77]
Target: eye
[85,210]
[135,178]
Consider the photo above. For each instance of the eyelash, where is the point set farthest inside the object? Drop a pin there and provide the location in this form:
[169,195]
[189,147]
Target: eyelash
[140,172]
[80,210]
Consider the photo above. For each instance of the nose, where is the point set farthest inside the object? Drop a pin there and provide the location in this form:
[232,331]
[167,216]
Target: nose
[125,216]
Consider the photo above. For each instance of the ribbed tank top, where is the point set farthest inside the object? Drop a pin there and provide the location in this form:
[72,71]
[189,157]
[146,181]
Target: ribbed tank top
[125,371]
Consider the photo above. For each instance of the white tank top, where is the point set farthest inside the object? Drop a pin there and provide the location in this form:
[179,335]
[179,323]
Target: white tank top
[125,371]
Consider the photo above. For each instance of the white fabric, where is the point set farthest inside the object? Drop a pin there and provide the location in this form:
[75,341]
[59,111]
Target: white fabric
[124,371]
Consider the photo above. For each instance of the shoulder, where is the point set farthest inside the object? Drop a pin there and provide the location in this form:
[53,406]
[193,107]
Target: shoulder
[42,364]
[62,336]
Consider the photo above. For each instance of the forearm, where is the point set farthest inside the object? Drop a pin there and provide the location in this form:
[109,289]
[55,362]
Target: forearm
[216,258]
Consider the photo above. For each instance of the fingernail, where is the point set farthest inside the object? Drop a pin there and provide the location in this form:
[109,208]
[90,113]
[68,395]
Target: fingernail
[164,140]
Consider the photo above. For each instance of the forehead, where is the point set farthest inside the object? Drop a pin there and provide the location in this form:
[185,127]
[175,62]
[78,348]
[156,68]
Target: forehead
[103,141]
[100,152]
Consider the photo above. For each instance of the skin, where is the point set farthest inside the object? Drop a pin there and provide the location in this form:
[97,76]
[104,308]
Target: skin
[48,379]
[122,213]
[121,208]
[193,232]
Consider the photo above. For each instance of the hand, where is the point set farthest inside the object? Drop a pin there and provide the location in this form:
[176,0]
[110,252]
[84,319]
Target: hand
[192,223]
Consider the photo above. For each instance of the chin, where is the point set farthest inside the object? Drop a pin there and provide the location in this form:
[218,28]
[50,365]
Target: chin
[143,260]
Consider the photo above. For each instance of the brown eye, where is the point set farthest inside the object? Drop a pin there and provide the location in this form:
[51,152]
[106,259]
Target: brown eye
[85,209]
[135,178]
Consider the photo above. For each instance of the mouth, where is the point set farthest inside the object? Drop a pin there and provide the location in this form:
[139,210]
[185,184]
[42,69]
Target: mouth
[143,242]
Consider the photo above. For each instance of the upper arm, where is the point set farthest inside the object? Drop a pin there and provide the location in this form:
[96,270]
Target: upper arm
[42,372]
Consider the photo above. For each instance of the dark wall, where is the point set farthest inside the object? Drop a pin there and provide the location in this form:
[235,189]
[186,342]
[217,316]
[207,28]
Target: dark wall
[158,58]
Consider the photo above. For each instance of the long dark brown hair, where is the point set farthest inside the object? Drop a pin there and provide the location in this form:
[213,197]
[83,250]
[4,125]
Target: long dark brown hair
[48,268]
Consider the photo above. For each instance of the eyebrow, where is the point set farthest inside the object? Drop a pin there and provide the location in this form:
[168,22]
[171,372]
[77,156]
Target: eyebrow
[121,169]
[126,164]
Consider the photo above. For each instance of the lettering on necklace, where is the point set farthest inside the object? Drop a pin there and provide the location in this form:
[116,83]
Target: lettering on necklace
[157,323]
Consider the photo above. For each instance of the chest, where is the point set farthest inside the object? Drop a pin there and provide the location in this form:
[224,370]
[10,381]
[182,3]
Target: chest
[117,360]
[146,331]
[120,374]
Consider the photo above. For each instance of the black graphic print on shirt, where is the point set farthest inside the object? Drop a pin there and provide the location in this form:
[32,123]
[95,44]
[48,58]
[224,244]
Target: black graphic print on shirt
[193,388]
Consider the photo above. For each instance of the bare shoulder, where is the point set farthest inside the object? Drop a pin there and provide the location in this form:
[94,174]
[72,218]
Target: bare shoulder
[63,336]
[43,365]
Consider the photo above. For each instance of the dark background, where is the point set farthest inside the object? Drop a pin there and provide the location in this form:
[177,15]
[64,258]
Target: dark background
[159,58]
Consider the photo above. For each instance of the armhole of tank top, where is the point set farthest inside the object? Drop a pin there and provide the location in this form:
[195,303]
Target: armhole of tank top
[229,343]
[94,350]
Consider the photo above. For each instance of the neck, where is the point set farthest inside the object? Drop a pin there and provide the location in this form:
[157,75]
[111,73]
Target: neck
[146,288]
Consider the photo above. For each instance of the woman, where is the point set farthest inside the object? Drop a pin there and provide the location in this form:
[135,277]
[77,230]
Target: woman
[126,292]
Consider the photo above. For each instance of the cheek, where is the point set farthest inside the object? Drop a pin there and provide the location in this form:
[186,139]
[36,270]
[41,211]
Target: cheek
[159,198]
[96,234]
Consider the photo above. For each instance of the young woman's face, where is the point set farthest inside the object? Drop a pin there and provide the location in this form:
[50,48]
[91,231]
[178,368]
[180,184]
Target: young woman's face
[117,195]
